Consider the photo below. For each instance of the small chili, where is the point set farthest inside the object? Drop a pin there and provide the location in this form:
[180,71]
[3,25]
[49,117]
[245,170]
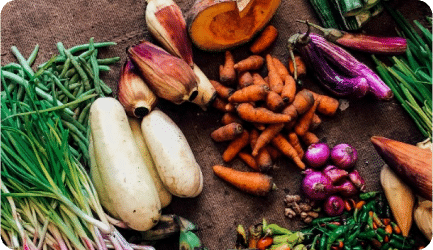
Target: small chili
[323,241]
[335,234]
[324,220]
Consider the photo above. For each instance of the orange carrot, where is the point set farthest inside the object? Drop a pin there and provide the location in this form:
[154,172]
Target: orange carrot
[287,149]
[227,72]
[273,152]
[251,182]
[281,69]
[309,138]
[254,135]
[249,160]
[301,69]
[253,62]
[259,126]
[275,82]
[245,79]
[294,141]
[303,101]
[227,132]
[264,160]
[315,122]
[327,105]
[230,108]
[266,136]
[223,91]
[236,146]
[247,112]
[274,101]
[258,80]
[219,104]
[289,89]
[265,40]
[303,123]
[229,118]
[251,93]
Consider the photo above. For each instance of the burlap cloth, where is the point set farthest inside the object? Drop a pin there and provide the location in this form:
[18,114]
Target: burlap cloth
[219,208]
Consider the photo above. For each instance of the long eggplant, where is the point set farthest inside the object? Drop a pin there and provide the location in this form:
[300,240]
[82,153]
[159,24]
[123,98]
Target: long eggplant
[348,64]
[339,84]
[363,42]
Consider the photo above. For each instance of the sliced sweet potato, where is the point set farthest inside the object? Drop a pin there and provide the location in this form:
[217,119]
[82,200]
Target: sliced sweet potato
[216,25]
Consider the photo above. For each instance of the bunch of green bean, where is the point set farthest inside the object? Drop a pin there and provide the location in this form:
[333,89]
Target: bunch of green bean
[410,75]
[71,75]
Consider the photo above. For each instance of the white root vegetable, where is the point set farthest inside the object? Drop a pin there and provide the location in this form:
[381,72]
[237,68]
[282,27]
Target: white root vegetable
[173,157]
[121,168]
[163,193]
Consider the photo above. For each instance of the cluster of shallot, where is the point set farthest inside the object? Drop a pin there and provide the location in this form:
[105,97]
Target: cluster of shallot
[330,177]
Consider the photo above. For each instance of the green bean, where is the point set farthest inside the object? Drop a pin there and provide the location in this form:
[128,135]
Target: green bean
[84,113]
[61,48]
[26,67]
[77,67]
[70,72]
[104,68]
[60,85]
[73,86]
[86,46]
[12,66]
[33,55]
[65,68]
[95,68]
[88,92]
[74,79]
[111,60]
[368,195]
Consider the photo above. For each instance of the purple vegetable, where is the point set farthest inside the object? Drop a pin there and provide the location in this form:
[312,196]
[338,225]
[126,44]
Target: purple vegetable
[335,174]
[357,180]
[346,189]
[344,156]
[349,65]
[365,43]
[317,154]
[334,205]
[317,186]
[336,82]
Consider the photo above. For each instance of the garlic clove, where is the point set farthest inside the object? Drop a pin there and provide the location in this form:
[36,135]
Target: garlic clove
[133,93]
[168,76]
[166,23]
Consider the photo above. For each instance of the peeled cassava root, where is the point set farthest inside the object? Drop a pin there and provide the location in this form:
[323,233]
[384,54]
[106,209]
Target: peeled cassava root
[216,25]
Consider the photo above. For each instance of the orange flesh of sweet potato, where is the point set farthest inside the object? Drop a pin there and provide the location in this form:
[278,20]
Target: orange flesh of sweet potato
[217,25]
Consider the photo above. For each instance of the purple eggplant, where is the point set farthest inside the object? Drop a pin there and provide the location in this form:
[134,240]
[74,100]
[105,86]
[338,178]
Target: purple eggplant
[365,43]
[339,84]
[348,64]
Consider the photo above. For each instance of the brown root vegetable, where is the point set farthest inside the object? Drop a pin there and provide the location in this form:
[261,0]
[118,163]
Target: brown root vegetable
[251,182]
[216,25]
[274,101]
[227,71]
[409,162]
[245,79]
[265,40]
[289,89]
[227,132]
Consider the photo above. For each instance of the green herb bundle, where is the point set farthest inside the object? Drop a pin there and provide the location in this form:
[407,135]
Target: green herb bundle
[410,75]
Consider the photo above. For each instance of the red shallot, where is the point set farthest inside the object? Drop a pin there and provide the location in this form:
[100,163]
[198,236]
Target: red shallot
[335,174]
[344,156]
[334,205]
[317,154]
[316,185]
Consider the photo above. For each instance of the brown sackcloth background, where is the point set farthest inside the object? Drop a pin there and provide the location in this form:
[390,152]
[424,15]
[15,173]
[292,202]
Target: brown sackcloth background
[219,208]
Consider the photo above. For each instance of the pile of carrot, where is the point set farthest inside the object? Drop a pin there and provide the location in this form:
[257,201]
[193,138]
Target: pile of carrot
[264,118]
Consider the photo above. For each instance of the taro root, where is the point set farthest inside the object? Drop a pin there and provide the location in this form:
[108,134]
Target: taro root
[216,25]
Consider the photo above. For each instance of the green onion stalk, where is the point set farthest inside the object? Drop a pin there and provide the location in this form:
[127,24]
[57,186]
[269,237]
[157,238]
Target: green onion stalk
[47,198]
[410,75]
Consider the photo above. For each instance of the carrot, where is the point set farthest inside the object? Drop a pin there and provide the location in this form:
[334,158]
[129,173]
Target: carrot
[227,71]
[227,132]
[273,152]
[301,69]
[266,136]
[258,80]
[281,69]
[274,101]
[303,101]
[259,126]
[219,104]
[294,141]
[309,138]
[247,112]
[245,79]
[236,146]
[275,82]
[289,89]
[303,123]
[287,149]
[222,91]
[265,40]
[230,108]
[327,105]
[249,160]
[315,122]
[253,62]
[251,93]
[254,135]
[264,160]
[229,118]
[251,182]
